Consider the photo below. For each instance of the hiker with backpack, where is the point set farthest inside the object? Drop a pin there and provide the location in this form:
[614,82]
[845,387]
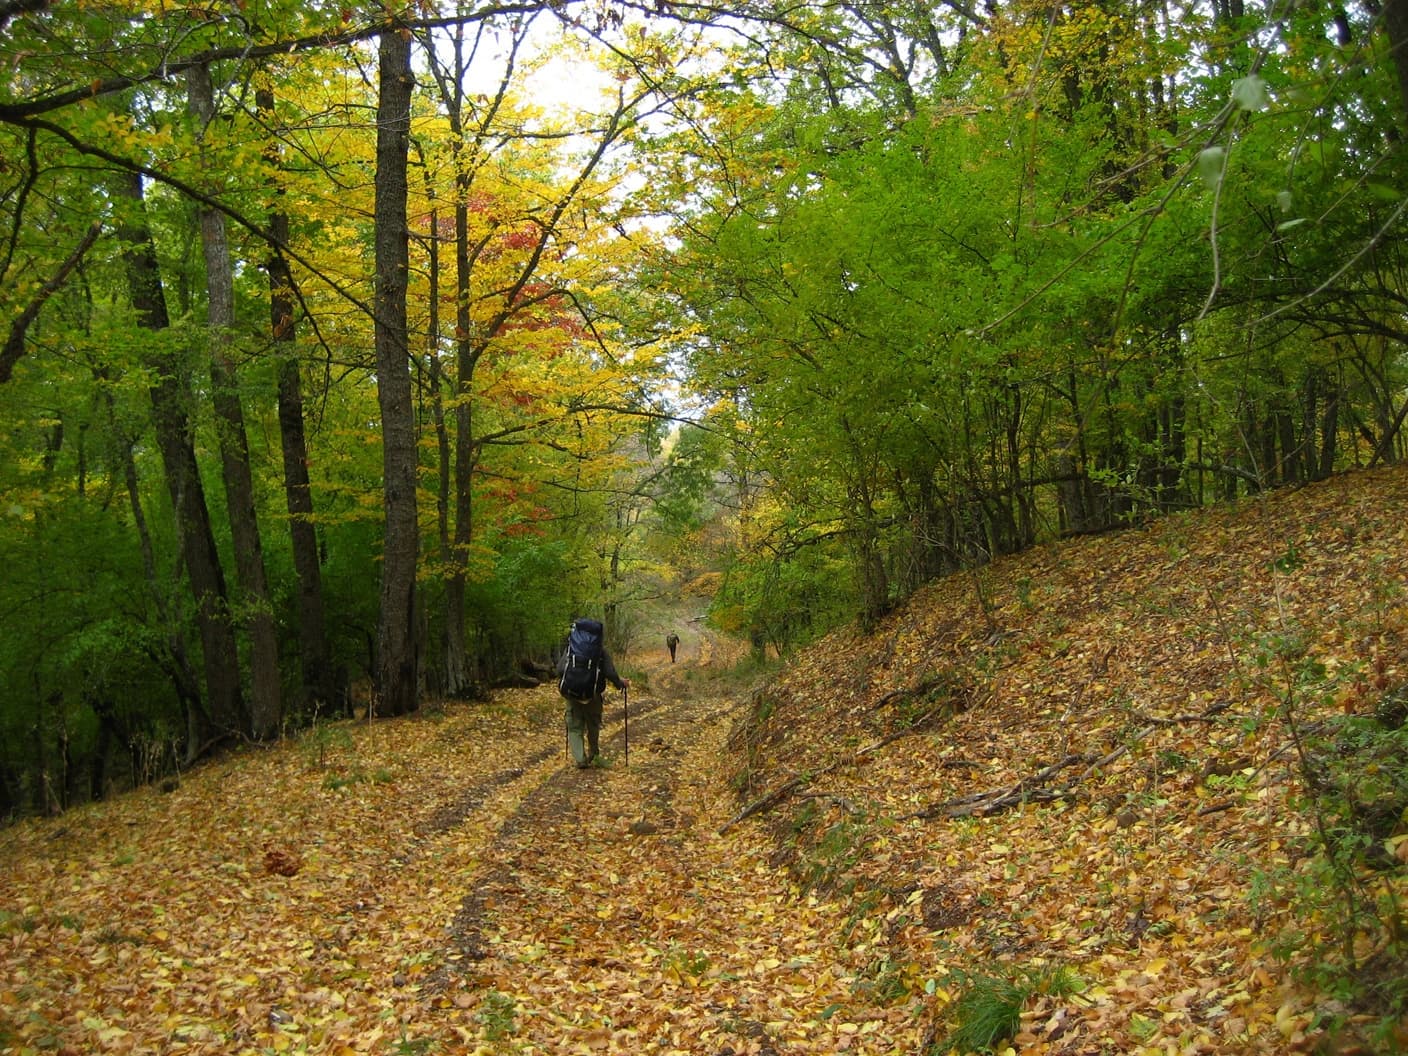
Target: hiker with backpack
[584,669]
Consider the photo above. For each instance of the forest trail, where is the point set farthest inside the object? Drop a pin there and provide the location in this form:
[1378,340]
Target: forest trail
[1075,766]
[608,914]
[452,886]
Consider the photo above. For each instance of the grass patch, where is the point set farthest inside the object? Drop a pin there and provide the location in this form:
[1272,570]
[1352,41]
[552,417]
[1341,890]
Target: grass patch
[497,1015]
[989,1010]
[323,741]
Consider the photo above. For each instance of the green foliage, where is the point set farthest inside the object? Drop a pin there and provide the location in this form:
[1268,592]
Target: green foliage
[988,1012]
[1350,934]
[526,602]
[325,739]
[407,1046]
[497,1015]
[826,853]
[82,636]
[11,921]
[683,962]
[989,1008]
[787,603]
[1042,307]
[886,981]
[688,495]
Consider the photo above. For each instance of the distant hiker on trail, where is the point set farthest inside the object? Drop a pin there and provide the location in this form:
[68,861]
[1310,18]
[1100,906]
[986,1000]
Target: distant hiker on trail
[583,671]
[672,642]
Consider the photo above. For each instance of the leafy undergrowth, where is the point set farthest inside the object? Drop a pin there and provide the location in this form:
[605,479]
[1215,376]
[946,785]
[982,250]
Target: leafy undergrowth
[1059,805]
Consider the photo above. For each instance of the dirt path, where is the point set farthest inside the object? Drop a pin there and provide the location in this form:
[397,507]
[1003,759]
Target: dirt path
[607,914]
[442,884]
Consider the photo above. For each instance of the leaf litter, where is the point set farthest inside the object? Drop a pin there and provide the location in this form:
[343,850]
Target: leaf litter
[1077,758]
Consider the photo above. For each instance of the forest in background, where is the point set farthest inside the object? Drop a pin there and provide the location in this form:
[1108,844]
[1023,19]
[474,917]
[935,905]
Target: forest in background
[339,367]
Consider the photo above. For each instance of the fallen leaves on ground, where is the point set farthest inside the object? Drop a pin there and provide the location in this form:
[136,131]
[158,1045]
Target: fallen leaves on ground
[1096,768]
[1074,758]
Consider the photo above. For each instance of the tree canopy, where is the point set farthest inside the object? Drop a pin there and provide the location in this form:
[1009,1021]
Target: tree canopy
[340,369]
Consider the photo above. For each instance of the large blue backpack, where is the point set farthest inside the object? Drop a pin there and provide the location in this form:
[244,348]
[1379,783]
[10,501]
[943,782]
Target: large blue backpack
[581,667]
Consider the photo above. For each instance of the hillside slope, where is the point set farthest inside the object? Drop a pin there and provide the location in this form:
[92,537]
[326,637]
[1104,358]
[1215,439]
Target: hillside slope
[1086,756]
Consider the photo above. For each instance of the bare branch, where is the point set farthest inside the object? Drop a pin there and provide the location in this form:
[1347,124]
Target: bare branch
[14,344]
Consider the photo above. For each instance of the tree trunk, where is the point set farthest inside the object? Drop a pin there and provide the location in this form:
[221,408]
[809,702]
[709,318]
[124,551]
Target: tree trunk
[1174,445]
[1395,16]
[265,707]
[457,472]
[319,688]
[453,637]
[461,532]
[1329,431]
[171,397]
[466,359]
[398,644]
[454,675]
[870,569]
[1265,432]
[1025,523]
[1285,426]
[178,662]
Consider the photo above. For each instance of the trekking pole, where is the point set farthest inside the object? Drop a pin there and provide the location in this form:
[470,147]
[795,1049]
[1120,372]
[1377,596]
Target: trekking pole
[626,707]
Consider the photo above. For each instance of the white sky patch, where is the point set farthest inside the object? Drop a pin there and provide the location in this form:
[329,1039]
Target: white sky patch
[565,85]
[551,73]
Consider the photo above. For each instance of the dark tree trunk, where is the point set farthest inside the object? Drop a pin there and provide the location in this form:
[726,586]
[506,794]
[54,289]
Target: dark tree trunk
[1024,525]
[872,579]
[176,661]
[1265,431]
[1329,430]
[266,711]
[1395,16]
[319,683]
[171,397]
[398,660]
[109,733]
[456,663]
[452,637]
[1290,448]
[457,532]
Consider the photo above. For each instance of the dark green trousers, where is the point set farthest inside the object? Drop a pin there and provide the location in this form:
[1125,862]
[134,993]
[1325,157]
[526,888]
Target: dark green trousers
[584,724]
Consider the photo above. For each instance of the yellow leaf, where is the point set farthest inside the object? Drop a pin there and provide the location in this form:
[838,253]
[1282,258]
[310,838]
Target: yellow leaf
[1287,1021]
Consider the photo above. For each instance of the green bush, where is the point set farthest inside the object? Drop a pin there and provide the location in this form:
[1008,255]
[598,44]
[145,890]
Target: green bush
[1351,936]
